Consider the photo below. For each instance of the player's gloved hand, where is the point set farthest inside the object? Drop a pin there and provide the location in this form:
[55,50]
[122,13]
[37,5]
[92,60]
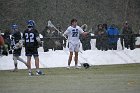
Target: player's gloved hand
[85,34]
[15,47]
[38,40]
[64,36]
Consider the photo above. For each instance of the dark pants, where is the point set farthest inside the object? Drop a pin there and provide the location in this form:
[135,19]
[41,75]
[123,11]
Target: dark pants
[113,46]
[129,44]
[86,46]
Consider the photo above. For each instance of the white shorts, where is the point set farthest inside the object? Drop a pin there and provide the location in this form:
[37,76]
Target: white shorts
[74,47]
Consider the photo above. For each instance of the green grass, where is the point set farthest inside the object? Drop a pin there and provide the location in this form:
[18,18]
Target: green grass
[97,79]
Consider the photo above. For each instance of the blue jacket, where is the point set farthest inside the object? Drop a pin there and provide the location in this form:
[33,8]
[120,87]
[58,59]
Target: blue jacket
[112,33]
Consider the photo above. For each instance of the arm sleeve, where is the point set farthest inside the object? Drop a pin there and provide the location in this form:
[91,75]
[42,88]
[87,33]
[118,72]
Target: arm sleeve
[37,33]
[23,37]
[12,41]
[66,32]
[81,30]
[20,36]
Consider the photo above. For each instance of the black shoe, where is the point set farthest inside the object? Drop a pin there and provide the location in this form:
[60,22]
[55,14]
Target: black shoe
[39,73]
[5,53]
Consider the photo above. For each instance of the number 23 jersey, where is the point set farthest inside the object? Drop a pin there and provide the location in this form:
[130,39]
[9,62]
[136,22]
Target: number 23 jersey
[30,38]
[73,34]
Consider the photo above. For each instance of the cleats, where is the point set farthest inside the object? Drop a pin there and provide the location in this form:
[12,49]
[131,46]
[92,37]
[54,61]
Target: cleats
[15,70]
[76,67]
[36,74]
[68,67]
[30,73]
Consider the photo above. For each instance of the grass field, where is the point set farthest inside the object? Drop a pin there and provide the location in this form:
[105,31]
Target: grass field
[97,79]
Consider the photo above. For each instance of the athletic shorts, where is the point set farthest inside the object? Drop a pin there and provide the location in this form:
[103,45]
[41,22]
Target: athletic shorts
[33,51]
[17,52]
[74,47]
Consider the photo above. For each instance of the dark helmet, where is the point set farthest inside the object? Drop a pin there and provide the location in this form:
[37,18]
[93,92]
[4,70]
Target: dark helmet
[14,26]
[31,23]
[99,25]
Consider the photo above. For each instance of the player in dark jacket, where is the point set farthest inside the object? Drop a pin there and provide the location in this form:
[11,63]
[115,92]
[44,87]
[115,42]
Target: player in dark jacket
[31,41]
[16,45]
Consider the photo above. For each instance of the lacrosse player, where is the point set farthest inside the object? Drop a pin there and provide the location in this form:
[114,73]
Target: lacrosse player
[32,41]
[16,46]
[73,33]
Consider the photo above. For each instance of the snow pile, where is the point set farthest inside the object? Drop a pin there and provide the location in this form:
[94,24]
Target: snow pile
[59,58]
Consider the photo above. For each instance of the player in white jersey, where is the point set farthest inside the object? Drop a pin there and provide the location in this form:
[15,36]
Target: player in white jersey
[73,32]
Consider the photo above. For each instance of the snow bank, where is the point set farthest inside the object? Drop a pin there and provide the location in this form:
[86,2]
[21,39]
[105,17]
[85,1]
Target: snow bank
[93,57]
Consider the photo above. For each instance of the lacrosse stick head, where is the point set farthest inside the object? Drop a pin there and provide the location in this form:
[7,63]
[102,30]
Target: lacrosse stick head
[84,27]
[50,24]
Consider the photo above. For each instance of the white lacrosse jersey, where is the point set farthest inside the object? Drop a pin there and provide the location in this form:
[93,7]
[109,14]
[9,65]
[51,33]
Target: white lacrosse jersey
[73,34]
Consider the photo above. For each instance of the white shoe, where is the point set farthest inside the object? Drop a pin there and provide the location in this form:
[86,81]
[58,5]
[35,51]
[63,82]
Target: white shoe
[68,67]
[15,70]
[30,73]
[77,67]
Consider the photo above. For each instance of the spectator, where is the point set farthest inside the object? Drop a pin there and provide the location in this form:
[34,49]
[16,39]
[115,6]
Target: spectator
[3,46]
[101,38]
[7,38]
[85,40]
[105,26]
[113,33]
[56,40]
[1,42]
[59,40]
[138,40]
[47,39]
[128,39]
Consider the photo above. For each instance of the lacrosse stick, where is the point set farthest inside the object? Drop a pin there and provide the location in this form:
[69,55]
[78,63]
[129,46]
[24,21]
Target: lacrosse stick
[51,25]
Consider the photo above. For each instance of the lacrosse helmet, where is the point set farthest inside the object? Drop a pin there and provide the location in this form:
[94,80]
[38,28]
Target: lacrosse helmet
[31,23]
[14,26]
